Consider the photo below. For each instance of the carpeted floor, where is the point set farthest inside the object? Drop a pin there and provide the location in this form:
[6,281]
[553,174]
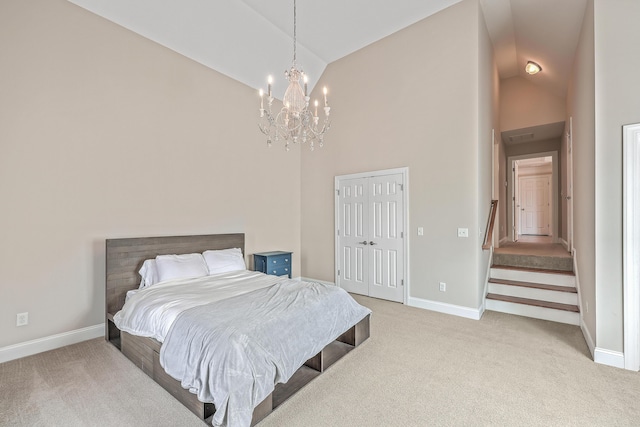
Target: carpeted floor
[419,368]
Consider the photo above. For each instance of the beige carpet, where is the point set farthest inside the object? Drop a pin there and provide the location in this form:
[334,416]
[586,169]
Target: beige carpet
[532,248]
[419,368]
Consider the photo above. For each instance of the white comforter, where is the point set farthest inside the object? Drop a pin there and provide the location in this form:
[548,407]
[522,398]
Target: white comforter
[150,312]
[231,348]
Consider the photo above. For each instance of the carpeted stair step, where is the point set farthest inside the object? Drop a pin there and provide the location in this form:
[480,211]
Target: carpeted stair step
[533,291]
[533,302]
[538,309]
[537,270]
[557,288]
[533,275]
[564,263]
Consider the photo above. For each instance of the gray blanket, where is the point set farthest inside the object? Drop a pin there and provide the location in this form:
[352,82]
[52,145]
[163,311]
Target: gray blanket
[232,352]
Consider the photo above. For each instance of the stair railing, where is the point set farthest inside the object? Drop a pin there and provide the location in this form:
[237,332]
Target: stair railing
[488,235]
[487,244]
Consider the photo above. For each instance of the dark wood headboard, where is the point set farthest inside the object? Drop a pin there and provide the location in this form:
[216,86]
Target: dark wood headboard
[124,257]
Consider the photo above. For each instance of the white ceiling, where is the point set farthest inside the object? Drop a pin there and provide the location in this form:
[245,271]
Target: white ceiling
[250,39]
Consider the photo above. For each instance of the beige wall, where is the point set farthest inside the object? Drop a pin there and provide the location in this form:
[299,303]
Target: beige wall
[602,99]
[524,104]
[411,100]
[488,120]
[105,134]
[617,101]
[581,106]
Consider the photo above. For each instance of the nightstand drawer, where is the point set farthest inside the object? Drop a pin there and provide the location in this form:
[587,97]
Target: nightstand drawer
[277,263]
[279,271]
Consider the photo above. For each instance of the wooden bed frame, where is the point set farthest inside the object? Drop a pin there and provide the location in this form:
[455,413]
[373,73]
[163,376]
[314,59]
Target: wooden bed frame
[124,257]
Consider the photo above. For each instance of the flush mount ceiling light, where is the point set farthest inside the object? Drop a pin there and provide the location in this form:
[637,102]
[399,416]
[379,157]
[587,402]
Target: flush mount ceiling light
[295,122]
[532,68]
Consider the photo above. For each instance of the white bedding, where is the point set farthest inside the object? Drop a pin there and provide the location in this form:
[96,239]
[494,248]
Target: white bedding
[233,352]
[151,311]
[230,337]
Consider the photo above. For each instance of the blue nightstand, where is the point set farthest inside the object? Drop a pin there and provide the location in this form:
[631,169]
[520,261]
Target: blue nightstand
[276,263]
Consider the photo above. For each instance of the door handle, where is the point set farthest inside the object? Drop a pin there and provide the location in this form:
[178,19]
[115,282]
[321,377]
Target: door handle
[372,243]
[363,243]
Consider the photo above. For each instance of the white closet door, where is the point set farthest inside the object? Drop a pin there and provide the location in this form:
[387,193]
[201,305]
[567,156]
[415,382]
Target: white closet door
[353,217]
[371,238]
[386,237]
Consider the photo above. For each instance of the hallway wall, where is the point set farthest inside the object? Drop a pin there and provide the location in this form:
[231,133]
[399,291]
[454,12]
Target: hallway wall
[524,104]
[617,102]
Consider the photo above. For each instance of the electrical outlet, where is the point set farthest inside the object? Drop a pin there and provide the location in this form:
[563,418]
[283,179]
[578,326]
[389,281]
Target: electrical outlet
[420,231]
[443,287]
[463,232]
[22,319]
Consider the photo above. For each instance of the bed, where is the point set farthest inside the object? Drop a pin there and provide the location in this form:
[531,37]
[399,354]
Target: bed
[124,258]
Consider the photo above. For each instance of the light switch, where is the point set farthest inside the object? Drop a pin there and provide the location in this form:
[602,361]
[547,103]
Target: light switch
[463,232]
[420,231]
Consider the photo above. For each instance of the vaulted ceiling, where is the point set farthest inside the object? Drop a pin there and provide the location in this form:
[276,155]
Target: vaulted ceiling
[250,39]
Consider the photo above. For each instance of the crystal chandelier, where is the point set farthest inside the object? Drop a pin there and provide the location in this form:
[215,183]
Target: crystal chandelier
[295,122]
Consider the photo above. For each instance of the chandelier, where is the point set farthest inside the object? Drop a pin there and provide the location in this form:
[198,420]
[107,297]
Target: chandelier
[295,122]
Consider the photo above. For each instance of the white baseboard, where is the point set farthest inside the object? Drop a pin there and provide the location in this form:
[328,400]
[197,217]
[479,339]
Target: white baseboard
[503,241]
[52,342]
[442,307]
[564,243]
[609,357]
[601,355]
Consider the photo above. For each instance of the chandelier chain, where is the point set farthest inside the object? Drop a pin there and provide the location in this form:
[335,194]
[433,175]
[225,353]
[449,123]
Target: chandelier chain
[294,33]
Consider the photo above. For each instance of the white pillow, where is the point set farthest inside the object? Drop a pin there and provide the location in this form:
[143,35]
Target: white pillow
[224,260]
[185,266]
[149,273]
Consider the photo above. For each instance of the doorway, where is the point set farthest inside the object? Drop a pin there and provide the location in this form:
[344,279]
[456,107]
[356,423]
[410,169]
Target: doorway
[535,203]
[533,189]
[371,243]
[631,245]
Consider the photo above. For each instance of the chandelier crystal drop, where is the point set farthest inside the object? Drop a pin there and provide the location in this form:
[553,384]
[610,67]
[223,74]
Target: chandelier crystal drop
[295,122]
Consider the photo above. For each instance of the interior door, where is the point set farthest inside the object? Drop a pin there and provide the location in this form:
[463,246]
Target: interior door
[371,236]
[353,234]
[534,205]
[569,195]
[386,237]
[515,203]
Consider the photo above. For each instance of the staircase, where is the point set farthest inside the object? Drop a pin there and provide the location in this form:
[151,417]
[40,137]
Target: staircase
[542,287]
